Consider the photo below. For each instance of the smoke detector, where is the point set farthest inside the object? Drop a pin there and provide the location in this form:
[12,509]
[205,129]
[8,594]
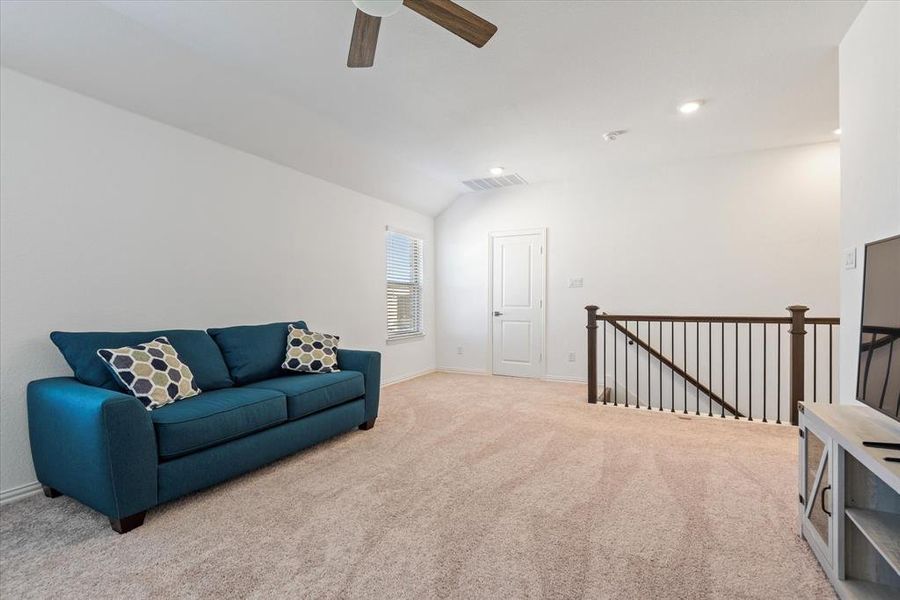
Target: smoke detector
[610,136]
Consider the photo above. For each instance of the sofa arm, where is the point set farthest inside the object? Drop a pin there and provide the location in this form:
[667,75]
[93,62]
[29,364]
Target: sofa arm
[369,364]
[95,445]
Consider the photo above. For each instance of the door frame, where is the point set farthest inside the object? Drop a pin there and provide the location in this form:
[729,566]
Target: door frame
[492,235]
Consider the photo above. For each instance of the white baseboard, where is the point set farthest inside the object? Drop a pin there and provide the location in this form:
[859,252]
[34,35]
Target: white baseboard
[403,378]
[564,379]
[483,372]
[19,492]
[462,371]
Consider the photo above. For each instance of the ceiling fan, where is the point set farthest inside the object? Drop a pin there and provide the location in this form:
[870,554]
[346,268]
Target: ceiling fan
[449,15]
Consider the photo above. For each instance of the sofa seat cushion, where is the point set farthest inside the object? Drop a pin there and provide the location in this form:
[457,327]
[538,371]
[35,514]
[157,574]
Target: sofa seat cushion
[310,393]
[215,417]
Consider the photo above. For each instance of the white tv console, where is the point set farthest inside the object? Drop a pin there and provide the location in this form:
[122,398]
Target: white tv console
[850,498]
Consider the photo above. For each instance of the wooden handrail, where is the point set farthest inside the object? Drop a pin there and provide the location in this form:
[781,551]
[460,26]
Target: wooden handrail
[678,370]
[720,319]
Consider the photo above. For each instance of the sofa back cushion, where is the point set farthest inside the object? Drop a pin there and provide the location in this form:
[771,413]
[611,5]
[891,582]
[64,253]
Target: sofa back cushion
[253,352]
[195,347]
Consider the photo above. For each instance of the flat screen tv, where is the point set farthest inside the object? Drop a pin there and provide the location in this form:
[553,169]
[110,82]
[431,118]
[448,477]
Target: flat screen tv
[878,378]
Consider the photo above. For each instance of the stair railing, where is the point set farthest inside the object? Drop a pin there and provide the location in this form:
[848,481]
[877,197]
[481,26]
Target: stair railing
[710,360]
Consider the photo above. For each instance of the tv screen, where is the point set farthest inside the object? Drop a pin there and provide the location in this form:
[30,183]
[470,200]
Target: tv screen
[878,378]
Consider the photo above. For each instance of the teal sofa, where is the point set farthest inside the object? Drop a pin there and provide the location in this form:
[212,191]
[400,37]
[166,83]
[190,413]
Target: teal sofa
[94,442]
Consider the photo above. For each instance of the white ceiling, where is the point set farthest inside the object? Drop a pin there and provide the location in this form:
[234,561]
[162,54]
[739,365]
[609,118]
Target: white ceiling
[270,78]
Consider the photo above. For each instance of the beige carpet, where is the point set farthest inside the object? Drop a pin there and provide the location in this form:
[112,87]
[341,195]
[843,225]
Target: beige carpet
[467,487]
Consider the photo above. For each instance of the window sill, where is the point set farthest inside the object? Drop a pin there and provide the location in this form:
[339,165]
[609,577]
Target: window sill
[412,337]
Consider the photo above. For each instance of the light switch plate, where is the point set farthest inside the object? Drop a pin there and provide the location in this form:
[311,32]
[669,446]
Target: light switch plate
[850,259]
[576,282]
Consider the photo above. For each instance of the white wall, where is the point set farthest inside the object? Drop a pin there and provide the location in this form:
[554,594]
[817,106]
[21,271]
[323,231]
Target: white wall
[744,234]
[870,150]
[113,221]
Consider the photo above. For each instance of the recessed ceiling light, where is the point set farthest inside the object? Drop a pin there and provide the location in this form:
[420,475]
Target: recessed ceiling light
[837,131]
[496,171]
[690,107]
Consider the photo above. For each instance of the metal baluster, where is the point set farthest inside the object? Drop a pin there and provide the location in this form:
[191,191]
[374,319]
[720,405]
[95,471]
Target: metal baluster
[815,361]
[750,369]
[778,409]
[615,366]
[684,360]
[604,363]
[637,365]
[765,363]
[626,365]
[830,362]
[649,387]
[736,372]
[709,373]
[722,374]
[672,371]
[660,363]
[697,361]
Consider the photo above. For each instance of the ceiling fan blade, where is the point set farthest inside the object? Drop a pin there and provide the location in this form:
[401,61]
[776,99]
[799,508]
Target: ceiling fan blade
[455,19]
[364,40]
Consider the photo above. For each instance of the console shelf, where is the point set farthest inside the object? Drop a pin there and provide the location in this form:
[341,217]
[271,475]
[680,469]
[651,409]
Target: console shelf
[850,498]
[882,529]
[854,589]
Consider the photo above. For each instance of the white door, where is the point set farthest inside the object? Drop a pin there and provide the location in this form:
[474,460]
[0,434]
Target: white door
[518,304]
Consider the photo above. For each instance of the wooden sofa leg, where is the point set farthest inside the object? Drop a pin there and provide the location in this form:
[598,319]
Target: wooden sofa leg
[368,425]
[126,524]
[50,492]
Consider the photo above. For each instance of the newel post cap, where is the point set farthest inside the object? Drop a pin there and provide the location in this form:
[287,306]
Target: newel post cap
[797,308]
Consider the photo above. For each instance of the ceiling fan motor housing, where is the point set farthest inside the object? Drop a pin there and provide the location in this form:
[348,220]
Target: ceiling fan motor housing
[379,8]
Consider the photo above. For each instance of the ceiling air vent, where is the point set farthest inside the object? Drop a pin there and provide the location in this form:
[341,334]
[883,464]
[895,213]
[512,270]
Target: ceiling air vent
[491,183]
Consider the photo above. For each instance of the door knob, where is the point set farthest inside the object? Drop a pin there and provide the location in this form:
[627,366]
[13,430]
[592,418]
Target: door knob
[497,313]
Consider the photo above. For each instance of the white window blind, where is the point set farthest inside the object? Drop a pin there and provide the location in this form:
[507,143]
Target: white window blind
[404,285]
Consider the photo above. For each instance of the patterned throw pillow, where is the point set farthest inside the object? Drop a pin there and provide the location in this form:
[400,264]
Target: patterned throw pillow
[309,352]
[153,372]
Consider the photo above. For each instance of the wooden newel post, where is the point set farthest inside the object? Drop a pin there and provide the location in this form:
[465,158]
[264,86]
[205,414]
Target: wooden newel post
[798,361]
[592,352]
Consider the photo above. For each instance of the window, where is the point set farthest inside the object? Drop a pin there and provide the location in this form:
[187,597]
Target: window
[404,285]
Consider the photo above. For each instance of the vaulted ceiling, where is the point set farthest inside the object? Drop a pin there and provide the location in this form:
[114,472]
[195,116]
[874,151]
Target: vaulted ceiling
[270,78]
